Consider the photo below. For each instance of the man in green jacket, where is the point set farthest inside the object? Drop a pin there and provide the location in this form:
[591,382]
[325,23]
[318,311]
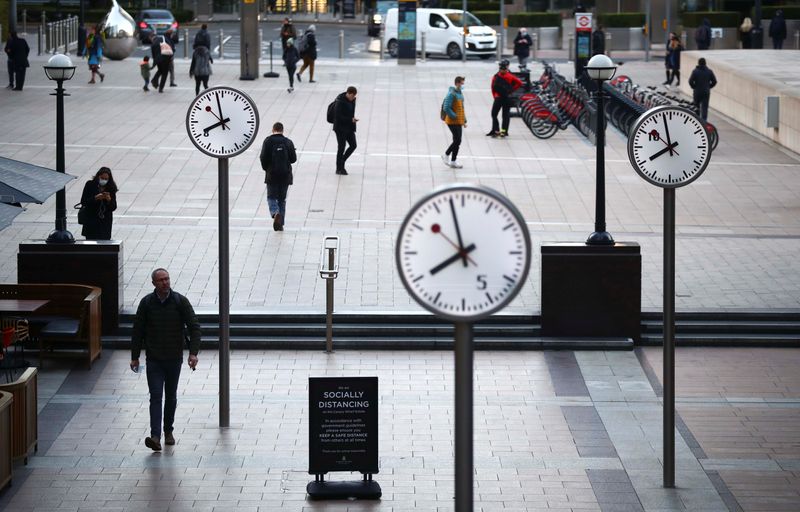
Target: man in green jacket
[159,327]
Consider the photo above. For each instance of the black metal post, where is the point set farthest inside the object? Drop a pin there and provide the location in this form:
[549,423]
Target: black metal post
[224,298]
[60,235]
[270,73]
[464,462]
[669,337]
[600,235]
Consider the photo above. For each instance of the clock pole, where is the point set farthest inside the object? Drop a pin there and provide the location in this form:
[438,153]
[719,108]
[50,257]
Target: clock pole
[669,337]
[224,297]
[464,464]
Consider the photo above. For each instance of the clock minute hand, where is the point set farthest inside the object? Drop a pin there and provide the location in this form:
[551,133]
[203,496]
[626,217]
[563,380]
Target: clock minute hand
[458,232]
[461,254]
[219,107]
[670,148]
[666,130]
[221,123]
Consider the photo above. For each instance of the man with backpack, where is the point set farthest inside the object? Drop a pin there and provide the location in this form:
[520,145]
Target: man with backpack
[342,113]
[277,156]
[503,84]
[159,328]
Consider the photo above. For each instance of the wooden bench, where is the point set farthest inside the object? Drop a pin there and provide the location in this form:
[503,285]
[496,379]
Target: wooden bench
[24,414]
[68,325]
[6,462]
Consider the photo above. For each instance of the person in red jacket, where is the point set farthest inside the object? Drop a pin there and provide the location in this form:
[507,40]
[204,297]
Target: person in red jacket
[503,84]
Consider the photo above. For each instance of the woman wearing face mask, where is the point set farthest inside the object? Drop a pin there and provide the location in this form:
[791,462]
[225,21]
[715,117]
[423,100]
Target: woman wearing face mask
[522,48]
[100,199]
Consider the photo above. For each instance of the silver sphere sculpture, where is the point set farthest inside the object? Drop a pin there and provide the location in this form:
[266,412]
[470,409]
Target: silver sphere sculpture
[118,29]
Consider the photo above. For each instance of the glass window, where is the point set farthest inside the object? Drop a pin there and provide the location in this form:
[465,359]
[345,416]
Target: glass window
[437,21]
[472,21]
[157,15]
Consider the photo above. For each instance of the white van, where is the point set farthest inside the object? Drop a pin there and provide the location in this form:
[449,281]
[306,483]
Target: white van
[442,29]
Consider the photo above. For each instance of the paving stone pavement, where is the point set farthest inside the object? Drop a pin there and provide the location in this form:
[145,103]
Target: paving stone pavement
[737,225]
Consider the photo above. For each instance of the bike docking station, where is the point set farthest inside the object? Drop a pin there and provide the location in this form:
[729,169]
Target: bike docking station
[593,289]
[343,436]
[463,253]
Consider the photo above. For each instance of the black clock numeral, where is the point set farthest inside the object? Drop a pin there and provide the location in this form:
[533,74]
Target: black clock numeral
[482,284]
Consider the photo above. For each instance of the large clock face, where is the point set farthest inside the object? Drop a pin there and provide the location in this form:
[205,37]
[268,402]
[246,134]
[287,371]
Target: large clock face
[669,146]
[463,252]
[222,122]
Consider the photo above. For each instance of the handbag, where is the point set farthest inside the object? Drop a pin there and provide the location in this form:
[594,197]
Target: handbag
[83,213]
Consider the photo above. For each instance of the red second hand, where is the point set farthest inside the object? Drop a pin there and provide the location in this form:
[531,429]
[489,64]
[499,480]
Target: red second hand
[436,228]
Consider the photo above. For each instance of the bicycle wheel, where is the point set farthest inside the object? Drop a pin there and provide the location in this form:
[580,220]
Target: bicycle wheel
[713,135]
[544,130]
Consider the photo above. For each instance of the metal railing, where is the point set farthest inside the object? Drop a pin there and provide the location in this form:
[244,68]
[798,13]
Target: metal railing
[59,36]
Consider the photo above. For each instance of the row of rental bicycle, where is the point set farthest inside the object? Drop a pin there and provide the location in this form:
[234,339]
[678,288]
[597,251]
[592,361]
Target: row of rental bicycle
[552,103]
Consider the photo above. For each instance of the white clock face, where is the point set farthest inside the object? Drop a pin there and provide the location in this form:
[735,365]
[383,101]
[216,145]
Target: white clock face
[222,122]
[669,146]
[463,252]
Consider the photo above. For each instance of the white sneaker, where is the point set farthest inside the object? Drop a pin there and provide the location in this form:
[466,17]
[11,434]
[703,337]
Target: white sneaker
[456,165]
[446,160]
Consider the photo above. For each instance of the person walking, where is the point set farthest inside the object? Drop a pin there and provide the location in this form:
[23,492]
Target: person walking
[290,58]
[144,69]
[308,52]
[777,30]
[17,50]
[745,30]
[287,32]
[200,68]
[503,84]
[455,119]
[95,52]
[277,156]
[158,327]
[162,56]
[702,35]
[10,63]
[344,126]
[81,39]
[702,81]
[99,198]
[598,41]
[672,60]
[202,37]
[171,38]
[522,48]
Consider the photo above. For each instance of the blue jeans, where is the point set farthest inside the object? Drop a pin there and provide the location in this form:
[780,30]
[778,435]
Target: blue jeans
[276,199]
[162,378]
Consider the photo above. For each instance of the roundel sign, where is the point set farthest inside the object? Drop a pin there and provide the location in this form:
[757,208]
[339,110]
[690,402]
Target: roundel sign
[583,21]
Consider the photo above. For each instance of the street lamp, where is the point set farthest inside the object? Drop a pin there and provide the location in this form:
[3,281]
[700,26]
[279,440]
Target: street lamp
[600,68]
[60,68]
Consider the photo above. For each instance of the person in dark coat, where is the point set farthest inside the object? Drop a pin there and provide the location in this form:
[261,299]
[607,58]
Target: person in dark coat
[522,48]
[344,126]
[309,53]
[277,183]
[18,50]
[672,60]
[290,58]
[287,32]
[10,63]
[200,68]
[746,30]
[702,35]
[162,61]
[777,30]
[598,41]
[171,38]
[202,38]
[95,51]
[701,82]
[100,199]
[503,84]
[81,39]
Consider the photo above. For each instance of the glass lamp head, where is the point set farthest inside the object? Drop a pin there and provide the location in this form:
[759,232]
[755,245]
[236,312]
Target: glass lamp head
[600,67]
[59,67]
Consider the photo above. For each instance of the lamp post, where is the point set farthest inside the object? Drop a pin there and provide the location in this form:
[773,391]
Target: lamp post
[600,68]
[60,68]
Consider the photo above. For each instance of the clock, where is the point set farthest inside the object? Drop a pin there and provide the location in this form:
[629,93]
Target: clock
[463,252]
[222,122]
[669,146]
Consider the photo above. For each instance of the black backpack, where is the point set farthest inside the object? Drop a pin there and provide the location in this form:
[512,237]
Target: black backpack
[279,163]
[502,87]
[332,112]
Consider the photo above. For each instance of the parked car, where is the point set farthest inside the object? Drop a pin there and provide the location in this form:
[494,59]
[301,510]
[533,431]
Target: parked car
[151,22]
[443,29]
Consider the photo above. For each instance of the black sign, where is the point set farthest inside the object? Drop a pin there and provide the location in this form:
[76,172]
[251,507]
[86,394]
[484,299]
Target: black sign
[343,424]
[349,8]
[407,29]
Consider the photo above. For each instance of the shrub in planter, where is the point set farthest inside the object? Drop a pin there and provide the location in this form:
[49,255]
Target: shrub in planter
[534,19]
[488,17]
[717,18]
[790,12]
[622,20]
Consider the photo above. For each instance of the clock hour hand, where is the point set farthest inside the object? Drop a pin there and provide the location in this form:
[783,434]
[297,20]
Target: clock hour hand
[670,148]
[458,232]
[221,123]
[461,254]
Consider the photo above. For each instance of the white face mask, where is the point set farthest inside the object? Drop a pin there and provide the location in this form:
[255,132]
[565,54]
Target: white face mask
[103,183]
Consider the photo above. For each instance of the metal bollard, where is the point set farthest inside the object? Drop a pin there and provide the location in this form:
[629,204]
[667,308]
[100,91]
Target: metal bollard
[381,37]
[797,39]
[608,44]
[25,20]
[422,45]
[341,44]
[571,50]
[186,43]
[38,40]
[66,38]
[535,43]
[329,270]
[260,43]
[221,45]
[683,40]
